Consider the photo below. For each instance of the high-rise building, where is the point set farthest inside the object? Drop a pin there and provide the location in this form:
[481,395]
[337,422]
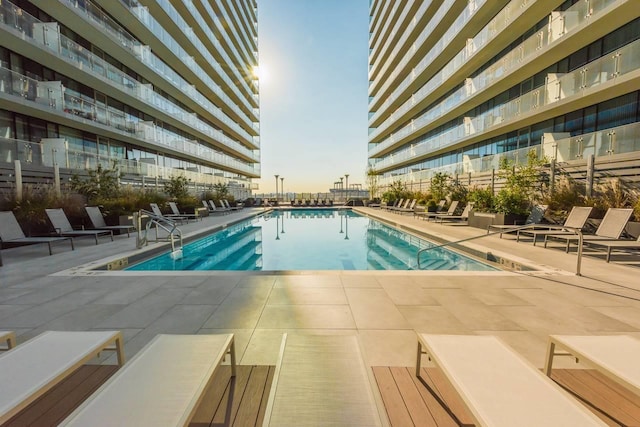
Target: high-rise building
[455,83]
[159,87]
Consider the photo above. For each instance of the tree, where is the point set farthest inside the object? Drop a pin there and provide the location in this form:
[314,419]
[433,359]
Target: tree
[440,186]
[102,183]
[372,182]
[177,187]
[221,191]
[520,185]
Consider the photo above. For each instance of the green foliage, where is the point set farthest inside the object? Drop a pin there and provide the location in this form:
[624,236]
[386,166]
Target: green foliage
[458,192]
[101,183]
[636,210]
[440,187]
[521,185]
[566,194]
[482,199]
[220,191]
[613,193]
[177,187]
[35,199]
[372,182]
[397,190]
[130,200]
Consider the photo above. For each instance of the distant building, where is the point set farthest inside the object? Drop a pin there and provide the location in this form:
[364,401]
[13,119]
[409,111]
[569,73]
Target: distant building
[453,82]
[159,87]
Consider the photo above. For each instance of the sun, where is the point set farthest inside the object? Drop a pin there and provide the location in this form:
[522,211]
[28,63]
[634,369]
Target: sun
[260,73]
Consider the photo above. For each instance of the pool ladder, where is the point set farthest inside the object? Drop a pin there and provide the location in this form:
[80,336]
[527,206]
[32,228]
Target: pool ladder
[560,228]
[160,222]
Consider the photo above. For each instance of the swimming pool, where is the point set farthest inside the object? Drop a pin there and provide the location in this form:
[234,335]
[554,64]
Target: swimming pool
[310,239]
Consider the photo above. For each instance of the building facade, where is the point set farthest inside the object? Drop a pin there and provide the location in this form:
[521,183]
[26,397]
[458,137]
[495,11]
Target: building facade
[158,87]
[455,84]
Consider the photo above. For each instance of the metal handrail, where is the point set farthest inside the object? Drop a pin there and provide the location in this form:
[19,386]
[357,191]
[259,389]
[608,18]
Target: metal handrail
[167,224]
[575,231]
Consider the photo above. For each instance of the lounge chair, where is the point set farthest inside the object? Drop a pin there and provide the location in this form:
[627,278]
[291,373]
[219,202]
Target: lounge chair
[226,204]
[611,228]
[397,204]
[498,386]
[616,244]
[409,209]
[216,209]
[34,367]
[427,215]
[615,356]
[9,337]
[400,206]
[11,233]
[176,213]
[211,208]
[157,212]
[322,380]
[463,217]
[162,385]
[63,227]
[576,219]
[535,216]
[97,220]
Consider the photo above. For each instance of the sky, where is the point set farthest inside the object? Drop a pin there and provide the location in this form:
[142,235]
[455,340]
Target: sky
[313,92]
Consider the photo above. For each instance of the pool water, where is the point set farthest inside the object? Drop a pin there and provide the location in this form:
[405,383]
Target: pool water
[310,239]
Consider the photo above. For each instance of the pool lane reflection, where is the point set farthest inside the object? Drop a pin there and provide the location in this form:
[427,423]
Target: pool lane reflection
[309,239]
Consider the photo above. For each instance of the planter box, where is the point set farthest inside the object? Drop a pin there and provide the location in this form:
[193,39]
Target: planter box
[485,219]
[202,212]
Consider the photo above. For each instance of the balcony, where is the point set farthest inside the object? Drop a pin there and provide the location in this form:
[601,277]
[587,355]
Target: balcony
[605,143]
[53,98]
[96,16]
[41,155]
[456,28]
[560,89]
[576,18]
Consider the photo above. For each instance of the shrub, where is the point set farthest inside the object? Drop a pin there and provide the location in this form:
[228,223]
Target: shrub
[440,187]
[101,183]
[482,199]
[177,187]
[130,200]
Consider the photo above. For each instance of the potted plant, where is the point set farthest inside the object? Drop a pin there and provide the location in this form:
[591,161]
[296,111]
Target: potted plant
[432,206]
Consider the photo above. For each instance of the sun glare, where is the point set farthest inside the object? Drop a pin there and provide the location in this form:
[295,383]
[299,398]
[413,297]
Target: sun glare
[260,73]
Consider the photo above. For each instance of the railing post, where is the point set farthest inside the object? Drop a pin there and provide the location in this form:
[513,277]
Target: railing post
[552,176]
[590,173]
[18,172]
[56,178]
[493,181]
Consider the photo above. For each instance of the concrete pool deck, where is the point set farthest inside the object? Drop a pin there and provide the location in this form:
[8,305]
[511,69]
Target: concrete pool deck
[385,308]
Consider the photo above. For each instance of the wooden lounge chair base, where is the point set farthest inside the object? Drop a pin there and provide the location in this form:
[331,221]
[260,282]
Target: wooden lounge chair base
[34,367]
[161,386]
[499,387]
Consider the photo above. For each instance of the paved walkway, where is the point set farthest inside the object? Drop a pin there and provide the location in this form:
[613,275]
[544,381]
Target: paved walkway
[38,292]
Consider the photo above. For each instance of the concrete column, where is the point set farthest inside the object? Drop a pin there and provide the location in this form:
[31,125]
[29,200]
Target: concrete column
[18,172]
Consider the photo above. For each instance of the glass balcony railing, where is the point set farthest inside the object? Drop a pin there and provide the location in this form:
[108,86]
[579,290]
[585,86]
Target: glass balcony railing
[578,16]
[457,26]
[96,16]
[251,26]
[222,30]
[394,31]
[214,41]
[558,87]
[188,32]
[53,96]
[604,143]
[88,62]
[391,19]
[410,52]
[34,153]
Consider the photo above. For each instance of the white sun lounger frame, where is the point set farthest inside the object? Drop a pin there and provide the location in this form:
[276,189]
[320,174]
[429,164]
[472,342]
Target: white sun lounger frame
[500,387]
[615,356]
[162,385]
[34,367]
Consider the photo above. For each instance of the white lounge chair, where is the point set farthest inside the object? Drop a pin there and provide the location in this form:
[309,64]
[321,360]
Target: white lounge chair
[216,209]
[9,337]
[534,218]
[34,367]
[498,386]
[615,356]
[162,385]
[322,380]
[427,215]
[63,227]
[177,214]
[463,217]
